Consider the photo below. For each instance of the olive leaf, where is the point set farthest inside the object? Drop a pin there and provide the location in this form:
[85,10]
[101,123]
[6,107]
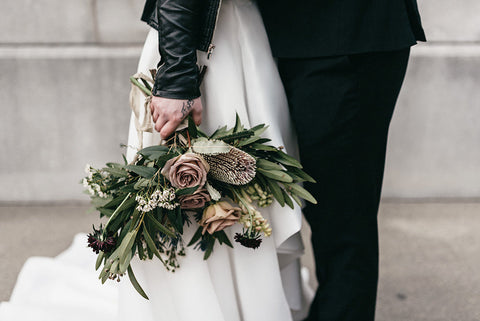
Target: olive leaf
[266,164]
[301,192]
[285,159]
[276,175]
[135,283]
[143,171]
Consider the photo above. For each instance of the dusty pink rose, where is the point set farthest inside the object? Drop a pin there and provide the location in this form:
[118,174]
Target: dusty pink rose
[195,200]
[218,216]
[187,170]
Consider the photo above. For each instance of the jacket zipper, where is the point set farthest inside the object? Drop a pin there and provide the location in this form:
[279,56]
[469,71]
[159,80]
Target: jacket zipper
[211,46]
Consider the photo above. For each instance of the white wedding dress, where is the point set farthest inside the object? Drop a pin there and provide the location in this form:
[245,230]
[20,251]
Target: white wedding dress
[237,284]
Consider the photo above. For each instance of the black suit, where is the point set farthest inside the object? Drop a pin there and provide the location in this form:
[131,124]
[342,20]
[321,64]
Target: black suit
[314,28]
[342,63]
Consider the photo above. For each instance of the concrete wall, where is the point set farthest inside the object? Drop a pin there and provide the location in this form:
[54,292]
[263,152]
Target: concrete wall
[64,98]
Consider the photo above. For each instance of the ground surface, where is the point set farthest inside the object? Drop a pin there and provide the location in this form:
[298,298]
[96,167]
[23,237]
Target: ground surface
[430,253]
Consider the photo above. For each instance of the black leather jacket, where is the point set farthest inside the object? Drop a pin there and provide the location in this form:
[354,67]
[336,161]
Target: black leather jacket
[184,26]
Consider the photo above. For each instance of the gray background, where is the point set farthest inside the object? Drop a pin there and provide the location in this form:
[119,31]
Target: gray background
[64,89]
[64,100]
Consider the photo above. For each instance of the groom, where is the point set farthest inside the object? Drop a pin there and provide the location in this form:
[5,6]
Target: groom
[342,63]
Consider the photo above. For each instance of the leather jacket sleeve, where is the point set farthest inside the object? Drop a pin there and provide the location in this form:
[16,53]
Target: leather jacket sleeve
[178,27]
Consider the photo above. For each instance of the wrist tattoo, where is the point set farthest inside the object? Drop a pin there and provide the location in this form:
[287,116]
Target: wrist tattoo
[187,106]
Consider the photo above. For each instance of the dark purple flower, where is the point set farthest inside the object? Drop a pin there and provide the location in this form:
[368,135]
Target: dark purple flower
[98,242]
[249,241]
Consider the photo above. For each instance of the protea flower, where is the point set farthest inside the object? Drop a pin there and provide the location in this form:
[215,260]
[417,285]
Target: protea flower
[98,242]
[235,167]
[246,240]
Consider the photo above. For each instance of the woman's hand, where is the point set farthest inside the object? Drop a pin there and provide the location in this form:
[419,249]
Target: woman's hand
[168,113]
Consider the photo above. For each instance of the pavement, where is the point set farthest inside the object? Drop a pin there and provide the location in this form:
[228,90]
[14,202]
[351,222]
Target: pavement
[429,253]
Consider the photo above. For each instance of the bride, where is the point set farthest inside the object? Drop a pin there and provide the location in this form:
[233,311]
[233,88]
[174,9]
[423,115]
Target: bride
[238,284]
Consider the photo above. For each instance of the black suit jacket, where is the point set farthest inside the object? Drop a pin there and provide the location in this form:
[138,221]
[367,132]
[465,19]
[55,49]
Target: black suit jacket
[315,28]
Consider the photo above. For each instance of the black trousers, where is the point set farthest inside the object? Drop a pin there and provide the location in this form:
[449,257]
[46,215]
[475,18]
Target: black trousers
[341,107]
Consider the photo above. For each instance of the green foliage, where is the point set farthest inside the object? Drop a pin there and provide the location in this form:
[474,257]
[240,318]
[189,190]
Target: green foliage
[154,152]
[143,171]
[117,190]
[135,283]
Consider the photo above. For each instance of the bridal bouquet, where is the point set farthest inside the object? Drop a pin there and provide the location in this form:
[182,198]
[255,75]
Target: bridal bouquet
[213,181]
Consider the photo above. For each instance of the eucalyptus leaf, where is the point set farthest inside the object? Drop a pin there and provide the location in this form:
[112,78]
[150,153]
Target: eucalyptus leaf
[135,283]
[127,201]
[266,164]
[209,250]
[219,132]
[163,159]
[248,141]
[297,199]
[301,173]
[143,171]
[257,127]
[159,226]
[223,238]
[287,198]
[276,175]
[201,134]
[301,192]
[263,140]
[124,231]
[176,219]
[135,219]
[115,201]
[260,130]
[296,178]
[276,191]
[285,159]
[123,266]
[142,182]
[186,191]
[141,252]
[114,267]
[116,172]
[114,165]
[105,211]
[153,149]
[239,135]
[99,259]
[192,128]
[105,268]
[151,243]
[196,236]
[129,188]
[238,124]
[267,148]
[128,240]
[104,278]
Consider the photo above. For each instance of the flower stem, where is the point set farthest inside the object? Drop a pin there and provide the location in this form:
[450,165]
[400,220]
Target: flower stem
[140,86]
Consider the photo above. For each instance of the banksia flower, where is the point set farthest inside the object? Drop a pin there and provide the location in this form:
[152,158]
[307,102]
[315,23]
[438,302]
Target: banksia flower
[235,167]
